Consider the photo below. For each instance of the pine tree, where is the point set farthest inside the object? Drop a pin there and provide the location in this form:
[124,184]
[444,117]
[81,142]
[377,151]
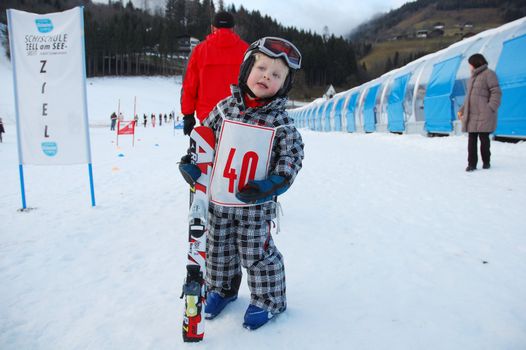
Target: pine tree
[388,65]
[396,59]
[221,5]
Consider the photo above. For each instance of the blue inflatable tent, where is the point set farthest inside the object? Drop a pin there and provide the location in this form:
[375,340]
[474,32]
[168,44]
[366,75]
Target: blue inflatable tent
[511,71]
[349,115]
[438,106]
[319,116]
[327,117]
[369,109]
[395,101]
[338,114]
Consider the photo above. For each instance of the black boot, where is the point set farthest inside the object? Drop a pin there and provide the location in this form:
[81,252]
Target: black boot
[471,168]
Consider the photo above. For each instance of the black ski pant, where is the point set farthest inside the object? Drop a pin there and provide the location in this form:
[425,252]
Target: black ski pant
[484,148]
[235,242]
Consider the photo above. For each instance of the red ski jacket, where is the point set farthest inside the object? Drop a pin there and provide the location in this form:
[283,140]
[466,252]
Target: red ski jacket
[212,68]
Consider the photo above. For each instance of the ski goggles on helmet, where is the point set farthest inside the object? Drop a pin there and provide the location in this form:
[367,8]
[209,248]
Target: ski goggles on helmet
[279,48]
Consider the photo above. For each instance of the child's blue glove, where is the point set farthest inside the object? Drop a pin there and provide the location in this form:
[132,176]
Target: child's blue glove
[190,172]
[261,191]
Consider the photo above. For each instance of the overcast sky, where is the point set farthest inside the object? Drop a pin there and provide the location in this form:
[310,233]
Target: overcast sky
[341,16]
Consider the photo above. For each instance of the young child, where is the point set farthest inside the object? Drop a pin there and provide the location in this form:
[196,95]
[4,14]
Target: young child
[259,152]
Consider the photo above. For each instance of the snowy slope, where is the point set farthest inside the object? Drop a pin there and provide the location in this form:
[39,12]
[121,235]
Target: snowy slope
[388,244]
[104,95]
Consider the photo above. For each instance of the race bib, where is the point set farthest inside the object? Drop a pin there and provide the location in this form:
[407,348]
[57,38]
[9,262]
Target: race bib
[243,154]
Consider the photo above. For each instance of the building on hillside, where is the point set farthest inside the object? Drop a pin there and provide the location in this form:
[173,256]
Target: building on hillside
[399,37]
[329,93]
[185,45]
[423,33]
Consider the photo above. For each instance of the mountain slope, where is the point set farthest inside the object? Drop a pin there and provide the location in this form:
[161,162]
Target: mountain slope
[442,22]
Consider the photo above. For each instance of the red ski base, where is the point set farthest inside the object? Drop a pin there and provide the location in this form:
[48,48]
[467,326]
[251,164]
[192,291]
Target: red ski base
[192,338]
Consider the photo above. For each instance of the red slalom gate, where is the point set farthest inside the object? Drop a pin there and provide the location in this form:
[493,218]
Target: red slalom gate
[126,127]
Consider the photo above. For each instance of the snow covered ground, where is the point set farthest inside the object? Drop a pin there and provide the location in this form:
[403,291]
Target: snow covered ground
[388,242]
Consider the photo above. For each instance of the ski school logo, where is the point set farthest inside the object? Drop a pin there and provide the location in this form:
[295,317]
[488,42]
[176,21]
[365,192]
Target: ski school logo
[50,149]
[44,25]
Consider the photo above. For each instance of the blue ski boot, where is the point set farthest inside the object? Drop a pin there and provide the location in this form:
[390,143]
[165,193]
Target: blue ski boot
[215,303]
[256,317]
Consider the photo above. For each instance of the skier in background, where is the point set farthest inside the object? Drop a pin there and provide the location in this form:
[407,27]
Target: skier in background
[2,130]
[242,209]
[145,119]
[113,119]
[212,68]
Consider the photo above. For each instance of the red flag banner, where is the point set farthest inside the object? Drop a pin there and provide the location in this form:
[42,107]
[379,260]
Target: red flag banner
[126,128]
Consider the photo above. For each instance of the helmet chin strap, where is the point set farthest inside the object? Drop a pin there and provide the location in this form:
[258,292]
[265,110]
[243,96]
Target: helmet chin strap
[249,91]
[244,88]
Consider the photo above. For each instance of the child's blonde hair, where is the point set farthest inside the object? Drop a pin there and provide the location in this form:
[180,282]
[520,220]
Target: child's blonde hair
[258,55]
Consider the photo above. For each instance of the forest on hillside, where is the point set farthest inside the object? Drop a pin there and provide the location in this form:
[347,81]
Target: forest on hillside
[124,40]
[392,40]
[369,31]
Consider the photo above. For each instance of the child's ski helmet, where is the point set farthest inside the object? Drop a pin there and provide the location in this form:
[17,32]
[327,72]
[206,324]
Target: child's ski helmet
[273,48]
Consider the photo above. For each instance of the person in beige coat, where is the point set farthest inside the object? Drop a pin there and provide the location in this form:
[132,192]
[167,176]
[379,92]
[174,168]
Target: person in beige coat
[479,112]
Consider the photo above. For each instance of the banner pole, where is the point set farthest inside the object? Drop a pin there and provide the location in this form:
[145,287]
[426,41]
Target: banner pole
[86,123]
[92,187]
[17,112]
[22,187]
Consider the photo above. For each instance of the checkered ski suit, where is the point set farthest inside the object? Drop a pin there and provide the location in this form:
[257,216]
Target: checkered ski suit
[240,236]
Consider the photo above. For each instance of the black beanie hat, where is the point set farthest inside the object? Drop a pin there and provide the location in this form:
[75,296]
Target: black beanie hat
[223,20]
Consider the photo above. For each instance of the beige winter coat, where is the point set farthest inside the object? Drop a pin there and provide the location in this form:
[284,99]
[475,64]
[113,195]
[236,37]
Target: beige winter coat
[479,112]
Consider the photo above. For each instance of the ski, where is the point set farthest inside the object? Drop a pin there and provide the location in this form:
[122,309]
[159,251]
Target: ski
[201,152]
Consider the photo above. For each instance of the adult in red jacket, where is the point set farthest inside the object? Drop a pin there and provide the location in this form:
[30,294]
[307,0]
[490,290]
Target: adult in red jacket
[212,68]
